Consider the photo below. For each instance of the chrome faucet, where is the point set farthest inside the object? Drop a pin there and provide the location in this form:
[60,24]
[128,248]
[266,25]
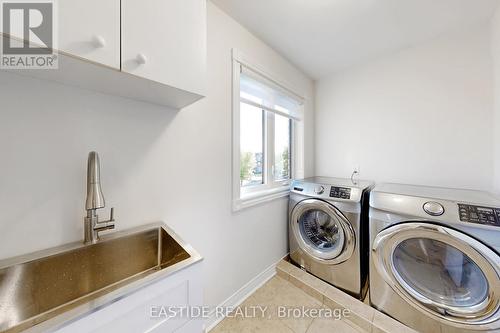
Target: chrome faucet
[95,201]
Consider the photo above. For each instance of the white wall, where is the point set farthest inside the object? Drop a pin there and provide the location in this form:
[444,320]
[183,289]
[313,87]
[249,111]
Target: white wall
[495,48]
[420,116]
[157,164]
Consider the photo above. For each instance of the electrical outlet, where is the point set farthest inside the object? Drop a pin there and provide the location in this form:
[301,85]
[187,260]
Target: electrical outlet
[356,169]
[355,174]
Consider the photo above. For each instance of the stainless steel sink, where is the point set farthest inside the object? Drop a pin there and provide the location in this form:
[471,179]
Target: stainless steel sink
[40,286]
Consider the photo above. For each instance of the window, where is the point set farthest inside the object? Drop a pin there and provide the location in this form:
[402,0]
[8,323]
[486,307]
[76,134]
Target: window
[265,115]
[252,124]
[282,143]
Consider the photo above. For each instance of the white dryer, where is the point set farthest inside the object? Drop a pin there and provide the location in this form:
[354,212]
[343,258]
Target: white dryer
[434,262]
[328,230]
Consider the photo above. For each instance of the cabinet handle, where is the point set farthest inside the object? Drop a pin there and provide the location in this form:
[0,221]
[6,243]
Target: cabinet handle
[99,41]
[141,59]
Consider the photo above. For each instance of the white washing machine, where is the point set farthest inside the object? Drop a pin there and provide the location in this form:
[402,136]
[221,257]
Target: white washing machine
[328,230]
[434,262]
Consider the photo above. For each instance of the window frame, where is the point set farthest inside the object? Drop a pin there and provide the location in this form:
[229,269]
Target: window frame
[270,189]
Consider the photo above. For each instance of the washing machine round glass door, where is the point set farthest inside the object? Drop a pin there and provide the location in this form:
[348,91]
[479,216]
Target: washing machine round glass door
[440,270]
[322,231]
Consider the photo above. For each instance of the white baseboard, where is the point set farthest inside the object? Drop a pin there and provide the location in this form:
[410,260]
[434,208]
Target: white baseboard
[242,294]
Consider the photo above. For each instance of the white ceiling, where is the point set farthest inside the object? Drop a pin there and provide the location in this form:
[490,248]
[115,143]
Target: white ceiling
[325,36]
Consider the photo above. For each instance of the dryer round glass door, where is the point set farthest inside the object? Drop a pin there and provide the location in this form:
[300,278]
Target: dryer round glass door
[440,271]
[322,231]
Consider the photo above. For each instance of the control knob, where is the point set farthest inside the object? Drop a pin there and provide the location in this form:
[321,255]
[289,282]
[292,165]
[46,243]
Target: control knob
[433,208]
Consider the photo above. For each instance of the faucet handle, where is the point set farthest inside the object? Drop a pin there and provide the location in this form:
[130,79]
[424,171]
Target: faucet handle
[112,215]
[110,224]
[106,225]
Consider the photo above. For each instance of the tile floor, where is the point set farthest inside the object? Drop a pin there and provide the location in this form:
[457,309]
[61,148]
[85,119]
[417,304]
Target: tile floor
[277,293]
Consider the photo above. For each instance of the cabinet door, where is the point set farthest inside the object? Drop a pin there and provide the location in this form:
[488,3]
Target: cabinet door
[147,309]
[90,29]
[165,41]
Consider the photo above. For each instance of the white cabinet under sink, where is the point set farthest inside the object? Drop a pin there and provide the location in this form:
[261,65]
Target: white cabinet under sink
[132,313]
[90,29]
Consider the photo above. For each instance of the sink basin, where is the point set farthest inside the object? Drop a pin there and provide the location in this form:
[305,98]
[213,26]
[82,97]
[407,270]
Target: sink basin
[39,286]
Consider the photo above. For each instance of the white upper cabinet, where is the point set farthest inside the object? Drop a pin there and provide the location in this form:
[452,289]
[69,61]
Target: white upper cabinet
[165,41]
[90,29]
[153,51]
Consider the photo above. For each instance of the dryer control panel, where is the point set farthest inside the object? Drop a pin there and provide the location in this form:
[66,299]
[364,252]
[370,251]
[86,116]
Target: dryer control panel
[340,192]
[478,214]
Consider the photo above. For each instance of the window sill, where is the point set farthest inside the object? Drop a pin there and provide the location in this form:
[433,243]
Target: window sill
[256,198]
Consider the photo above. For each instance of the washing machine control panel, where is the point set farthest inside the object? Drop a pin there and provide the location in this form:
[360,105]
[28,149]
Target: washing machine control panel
[479,214]
[340,192]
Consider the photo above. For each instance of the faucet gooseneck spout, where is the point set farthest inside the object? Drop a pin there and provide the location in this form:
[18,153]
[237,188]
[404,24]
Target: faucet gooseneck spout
[95,198]
[95,201]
